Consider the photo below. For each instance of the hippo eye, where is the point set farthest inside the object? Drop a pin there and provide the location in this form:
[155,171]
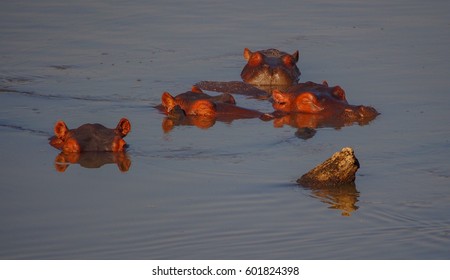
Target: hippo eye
[307,102]
[279,97]
[339,93]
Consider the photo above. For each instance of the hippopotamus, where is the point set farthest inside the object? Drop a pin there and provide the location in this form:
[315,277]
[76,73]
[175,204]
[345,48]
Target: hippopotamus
[270,67]
[92,160]
[265,71]
[309,105]
[90,137]
[197,103]
[313,98]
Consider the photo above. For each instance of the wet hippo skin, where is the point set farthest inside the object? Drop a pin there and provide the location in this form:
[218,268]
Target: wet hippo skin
[313,98]
[90,137]
[197,103]
[270,67]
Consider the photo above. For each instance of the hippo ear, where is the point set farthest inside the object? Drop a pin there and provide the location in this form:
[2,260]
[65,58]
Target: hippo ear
[168,101]
[61,129]
[325,83]
[255,59]
[307,103]
[295,55]
[123,127]
[289,60]
[279,96]
[196,89]
[247,54]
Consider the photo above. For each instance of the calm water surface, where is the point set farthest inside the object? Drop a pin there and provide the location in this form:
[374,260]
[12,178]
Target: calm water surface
[227,192]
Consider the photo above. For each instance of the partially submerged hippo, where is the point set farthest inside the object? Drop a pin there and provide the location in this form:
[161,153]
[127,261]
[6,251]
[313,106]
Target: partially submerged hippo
[313,98]
[198,103]
[90,137]
[270,67]
[235,87]
[265,71]
[308,106]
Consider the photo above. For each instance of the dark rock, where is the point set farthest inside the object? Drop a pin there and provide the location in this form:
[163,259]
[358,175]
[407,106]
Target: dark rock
[338,170]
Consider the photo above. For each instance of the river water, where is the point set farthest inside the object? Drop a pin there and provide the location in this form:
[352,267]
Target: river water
[229,191]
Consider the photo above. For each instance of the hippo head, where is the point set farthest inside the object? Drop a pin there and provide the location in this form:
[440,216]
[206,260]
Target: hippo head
[270,68]
[195,102]
[90,137]
[330,103]
[196,107]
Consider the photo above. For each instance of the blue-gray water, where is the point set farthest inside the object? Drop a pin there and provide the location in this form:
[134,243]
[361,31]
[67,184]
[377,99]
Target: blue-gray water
[227,192]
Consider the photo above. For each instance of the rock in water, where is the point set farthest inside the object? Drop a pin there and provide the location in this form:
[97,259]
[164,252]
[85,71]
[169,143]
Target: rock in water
[338,170]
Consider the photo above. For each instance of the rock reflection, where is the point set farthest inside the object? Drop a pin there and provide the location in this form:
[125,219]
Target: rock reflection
[92,160]
[342,197]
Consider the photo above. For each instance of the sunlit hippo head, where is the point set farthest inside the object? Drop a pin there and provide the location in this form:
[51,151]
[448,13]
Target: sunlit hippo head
[270,67]
[90,137]
[195,102]
[312,98]
[198,103]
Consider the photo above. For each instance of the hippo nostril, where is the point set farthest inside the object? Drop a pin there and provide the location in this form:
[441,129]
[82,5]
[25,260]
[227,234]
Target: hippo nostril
[352,112]
[365,111]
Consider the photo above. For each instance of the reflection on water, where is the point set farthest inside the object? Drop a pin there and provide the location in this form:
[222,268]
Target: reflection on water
[177,117]
[342,197]
[202,122]
[92,160]
[307,123]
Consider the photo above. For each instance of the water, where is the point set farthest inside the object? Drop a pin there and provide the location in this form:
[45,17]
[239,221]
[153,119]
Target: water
[227,192]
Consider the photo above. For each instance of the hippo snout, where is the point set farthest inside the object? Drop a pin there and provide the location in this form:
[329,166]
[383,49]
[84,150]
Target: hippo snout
[361,112]
[367,112]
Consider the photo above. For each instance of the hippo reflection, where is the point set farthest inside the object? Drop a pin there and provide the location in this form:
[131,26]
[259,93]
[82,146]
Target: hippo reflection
[177,117]
[92,160]
[307,124]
